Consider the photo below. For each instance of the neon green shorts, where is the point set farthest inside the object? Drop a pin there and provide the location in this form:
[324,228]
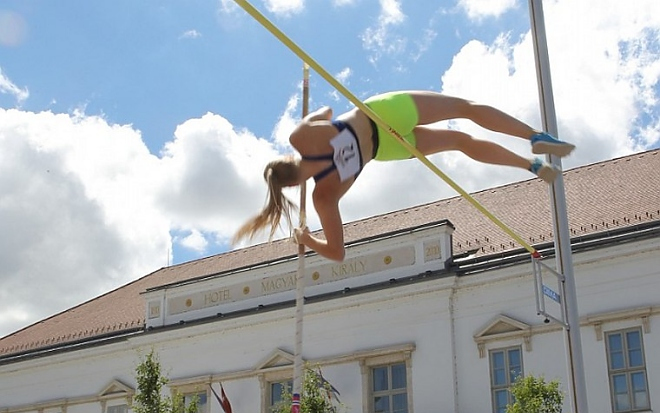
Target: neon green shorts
[399,111]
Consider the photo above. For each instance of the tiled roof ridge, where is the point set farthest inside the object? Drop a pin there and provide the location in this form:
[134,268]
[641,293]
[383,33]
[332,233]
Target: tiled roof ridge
[82,304]
[70,337]
[132,315]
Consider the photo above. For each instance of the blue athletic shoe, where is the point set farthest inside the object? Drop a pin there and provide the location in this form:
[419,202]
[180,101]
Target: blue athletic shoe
[543,143]
[543,170]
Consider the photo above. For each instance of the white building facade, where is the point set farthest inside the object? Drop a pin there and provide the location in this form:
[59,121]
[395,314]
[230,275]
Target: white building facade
[404,325]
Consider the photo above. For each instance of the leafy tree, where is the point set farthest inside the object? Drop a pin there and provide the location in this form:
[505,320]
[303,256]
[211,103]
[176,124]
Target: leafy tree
[534,395]
[316,395]
[150,382]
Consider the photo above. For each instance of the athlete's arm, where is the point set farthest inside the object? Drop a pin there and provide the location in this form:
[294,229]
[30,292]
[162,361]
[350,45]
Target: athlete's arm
[324,113]
[332,247]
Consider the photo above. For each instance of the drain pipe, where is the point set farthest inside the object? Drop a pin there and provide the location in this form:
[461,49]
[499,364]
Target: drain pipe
[452,324]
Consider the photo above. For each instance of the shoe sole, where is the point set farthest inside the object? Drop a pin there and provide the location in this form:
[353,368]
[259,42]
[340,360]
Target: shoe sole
[557,149]
[548,173]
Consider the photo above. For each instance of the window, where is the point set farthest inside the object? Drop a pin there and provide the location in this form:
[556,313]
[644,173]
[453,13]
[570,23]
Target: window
[276,390]
[627,371]
[121,408]
[389,389]
[201,398]
[505,367]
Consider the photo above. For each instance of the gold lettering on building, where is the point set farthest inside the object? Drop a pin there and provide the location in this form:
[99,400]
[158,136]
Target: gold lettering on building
[215,297]
[154,310]
[349,269]
[432,251]
[275,284]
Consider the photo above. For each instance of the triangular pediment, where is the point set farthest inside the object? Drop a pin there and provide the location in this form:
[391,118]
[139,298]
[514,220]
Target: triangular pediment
[502,325]
[276,358]
[116,388]
[503,328]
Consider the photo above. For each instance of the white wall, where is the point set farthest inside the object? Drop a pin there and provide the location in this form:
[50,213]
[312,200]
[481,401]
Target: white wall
[608,280]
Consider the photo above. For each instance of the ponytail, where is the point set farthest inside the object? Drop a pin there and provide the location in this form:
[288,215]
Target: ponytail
[277,174]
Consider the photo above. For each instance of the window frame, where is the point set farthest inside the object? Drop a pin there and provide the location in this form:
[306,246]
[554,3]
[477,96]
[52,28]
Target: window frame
[197,393]
[390,391]
[496,388]
[267,379]
[112,405]
[192,389]
[269,391]
[369,364]
[626,370]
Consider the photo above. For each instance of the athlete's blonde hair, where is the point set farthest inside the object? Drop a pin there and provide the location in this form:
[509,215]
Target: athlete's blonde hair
[278,174]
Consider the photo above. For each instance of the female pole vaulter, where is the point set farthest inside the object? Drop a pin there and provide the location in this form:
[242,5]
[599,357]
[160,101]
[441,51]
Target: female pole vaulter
[334,152]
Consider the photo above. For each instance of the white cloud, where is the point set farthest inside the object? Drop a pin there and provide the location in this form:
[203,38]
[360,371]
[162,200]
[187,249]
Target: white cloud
[604,65]
[190,34]
[378,40]
[77,211]
[606,84]
[8,87]
[195,241]
[286,123]
[341,3]
[607,69]
[284,7]
[89,208]
[344,75]
[391,12]
[479,9]
[228,7]
[424,43]
[214,176]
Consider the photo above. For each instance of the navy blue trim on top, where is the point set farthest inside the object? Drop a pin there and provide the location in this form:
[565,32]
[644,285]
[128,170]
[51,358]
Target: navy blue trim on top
[340,125]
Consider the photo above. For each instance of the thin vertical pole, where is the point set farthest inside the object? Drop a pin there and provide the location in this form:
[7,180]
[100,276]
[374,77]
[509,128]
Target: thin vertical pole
[300,275]
[578,388]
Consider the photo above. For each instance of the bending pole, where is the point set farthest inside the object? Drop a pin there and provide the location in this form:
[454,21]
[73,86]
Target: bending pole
[300,275]
[578,386]
[364,108]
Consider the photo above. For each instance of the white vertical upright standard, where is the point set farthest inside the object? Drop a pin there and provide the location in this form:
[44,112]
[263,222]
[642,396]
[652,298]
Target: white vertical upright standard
[300,275]
[578,388]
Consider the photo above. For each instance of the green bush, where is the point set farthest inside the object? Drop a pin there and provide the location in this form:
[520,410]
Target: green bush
[316,395]
[150,382]
[534,395]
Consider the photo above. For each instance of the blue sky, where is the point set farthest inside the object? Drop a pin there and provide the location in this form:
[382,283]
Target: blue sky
[133,133]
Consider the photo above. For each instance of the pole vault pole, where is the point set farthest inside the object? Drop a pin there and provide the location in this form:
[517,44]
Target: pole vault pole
[300,275]
[578,388]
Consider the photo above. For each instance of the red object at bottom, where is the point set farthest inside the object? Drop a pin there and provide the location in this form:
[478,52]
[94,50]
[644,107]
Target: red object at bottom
[295,403]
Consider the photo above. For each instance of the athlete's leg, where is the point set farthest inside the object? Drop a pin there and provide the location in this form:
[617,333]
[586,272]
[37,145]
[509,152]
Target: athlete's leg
[435,107]
[431,139]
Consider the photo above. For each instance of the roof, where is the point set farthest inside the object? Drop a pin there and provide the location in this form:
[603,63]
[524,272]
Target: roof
[618,193]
